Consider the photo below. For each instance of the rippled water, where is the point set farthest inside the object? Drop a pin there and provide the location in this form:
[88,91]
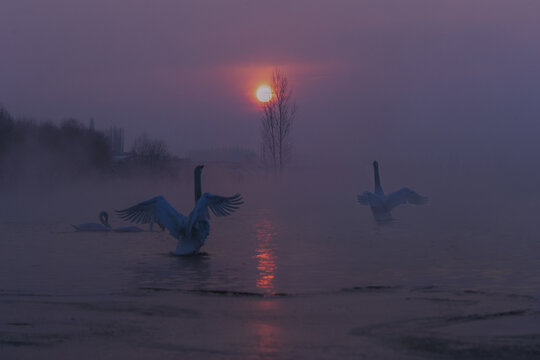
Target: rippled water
[298,240]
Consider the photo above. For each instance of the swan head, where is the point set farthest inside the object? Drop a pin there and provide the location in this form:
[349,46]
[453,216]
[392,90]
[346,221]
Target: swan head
[199,168]
[104,217]
[376,165]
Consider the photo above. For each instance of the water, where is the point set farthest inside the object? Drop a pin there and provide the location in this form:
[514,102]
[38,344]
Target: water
[455,279]
[293,239]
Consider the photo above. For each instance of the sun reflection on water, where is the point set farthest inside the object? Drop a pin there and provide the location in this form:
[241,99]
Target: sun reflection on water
[265,255]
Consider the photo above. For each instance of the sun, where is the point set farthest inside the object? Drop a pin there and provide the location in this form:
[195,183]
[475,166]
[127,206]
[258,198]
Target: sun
[264,93]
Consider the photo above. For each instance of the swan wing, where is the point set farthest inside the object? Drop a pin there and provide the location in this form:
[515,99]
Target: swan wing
[219,205]
[155,210]
[371,199]
[404,196]
[223,205]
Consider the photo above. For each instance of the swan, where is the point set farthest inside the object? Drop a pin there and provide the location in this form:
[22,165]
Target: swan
[190,231]
[382,205]
[105,226]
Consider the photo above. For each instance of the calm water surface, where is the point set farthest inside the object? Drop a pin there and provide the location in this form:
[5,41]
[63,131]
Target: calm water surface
[293,241]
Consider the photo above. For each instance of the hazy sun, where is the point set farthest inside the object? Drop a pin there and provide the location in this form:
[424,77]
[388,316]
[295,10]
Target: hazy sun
[264,93]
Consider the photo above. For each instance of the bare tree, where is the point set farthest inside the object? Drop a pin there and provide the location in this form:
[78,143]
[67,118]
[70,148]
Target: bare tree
[278,116]
[150,151]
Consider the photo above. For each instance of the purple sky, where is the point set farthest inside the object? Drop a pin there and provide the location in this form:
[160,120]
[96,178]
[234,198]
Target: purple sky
[420,74]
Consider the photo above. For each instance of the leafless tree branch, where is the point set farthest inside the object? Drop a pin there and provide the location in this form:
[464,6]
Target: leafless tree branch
[278,117]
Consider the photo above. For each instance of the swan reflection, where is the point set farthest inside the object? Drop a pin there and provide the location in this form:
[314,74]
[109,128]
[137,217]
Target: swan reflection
[265,255]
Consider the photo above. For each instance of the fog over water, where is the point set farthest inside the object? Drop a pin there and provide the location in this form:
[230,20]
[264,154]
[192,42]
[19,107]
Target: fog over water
[442,94]
[302,233]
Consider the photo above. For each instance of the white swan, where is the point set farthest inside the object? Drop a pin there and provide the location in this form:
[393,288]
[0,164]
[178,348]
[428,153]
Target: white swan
[190,231]
[382,205]
[105,226]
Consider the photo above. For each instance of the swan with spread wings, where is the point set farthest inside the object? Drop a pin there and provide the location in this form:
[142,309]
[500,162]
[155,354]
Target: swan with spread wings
[381,204]
[191,231]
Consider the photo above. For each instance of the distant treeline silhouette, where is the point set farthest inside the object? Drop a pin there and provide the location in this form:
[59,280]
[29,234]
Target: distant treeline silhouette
[150,151]
[45,152]
[148,158]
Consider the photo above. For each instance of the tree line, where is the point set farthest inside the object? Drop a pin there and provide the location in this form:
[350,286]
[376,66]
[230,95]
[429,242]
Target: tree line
[45,152]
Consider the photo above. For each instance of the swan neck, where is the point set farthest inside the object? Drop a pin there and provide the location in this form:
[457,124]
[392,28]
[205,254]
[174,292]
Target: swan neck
[378,187]
[198,190]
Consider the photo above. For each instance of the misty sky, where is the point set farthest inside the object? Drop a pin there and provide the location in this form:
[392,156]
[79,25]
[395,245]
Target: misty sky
[368,76]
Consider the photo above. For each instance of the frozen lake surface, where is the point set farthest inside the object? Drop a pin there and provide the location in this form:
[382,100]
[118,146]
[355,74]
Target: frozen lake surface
[443,280]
